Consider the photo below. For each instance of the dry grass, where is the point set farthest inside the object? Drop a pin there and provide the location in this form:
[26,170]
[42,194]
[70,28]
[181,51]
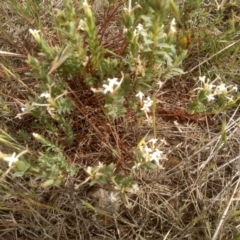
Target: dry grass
[196,196]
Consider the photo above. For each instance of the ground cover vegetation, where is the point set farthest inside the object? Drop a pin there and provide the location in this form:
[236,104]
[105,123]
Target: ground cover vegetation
[119,119]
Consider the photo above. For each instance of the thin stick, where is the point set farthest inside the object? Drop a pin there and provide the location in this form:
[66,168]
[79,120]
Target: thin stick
[230,45]
[223,218]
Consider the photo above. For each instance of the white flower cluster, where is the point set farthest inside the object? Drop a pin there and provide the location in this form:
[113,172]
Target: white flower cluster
[91,171]
[216,90]
[145,103]
[150,153]
[95,172]
[134,188]
[122,193]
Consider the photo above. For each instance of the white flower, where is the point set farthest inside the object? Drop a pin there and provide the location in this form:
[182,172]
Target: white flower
[145,149]
[125,30]
[173,26]
[110,87]
[13,158]
[113,197]
[134,188]
[85,3]
[146,152]
[147,104]
[95,90]
[140,95]
[113,81]
[45,95]
[36,136]
[89,170]
[221,89]
[235,88]
[156,156]
[19,115]
[210,97]
[35,34]
[202,79]
[148,121]
[209,86]
[138,29]
[86,61]
[230,99]
[107,89]
[153,141]
[81,25]
[136,166]
[100,165]
[163,140]
[160,84]
[206,85]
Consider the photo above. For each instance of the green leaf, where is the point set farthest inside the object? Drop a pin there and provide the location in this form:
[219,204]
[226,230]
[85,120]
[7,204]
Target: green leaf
[97,210]
[237,237]
[18,174]
[223,130]
[235,214]
[196,107]
[22,166]
[150,166]
[48,183]
[175,10]
[61,57]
